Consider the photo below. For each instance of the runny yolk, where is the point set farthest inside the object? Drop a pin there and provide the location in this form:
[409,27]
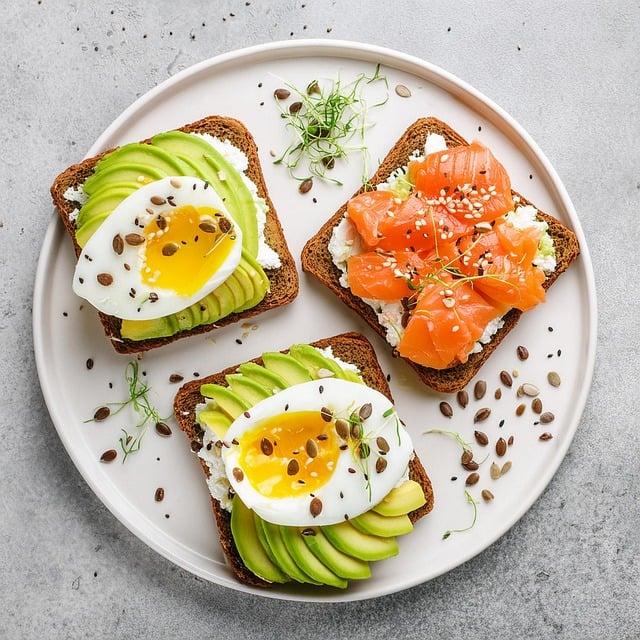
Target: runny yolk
[184,247]
[275,454]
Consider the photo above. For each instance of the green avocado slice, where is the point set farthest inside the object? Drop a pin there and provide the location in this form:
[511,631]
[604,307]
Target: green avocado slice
[226,400]
[340,563]
[142,153]
[122,172]
[314,361]
[349,540]
[384,526]
[401,500]
[286,367]
[246,389]
[215,420]
[243,530]
[292,538]
[268,379]
[106,202]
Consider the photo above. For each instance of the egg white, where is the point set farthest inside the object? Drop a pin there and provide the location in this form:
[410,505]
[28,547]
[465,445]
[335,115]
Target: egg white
[98,255]
[337,395]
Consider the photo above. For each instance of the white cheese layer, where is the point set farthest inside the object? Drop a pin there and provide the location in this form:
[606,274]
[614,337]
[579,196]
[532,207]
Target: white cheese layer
[524,217]
[267,257]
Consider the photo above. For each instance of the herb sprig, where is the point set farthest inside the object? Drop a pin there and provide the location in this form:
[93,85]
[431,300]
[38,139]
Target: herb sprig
[328,123]
[470,500]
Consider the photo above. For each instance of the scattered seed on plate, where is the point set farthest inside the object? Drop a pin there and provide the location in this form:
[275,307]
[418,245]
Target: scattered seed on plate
[282,94]
[547,417]
[497,394]
[523,352]
[553,378]
[101,414]
[109,455]
[515,373]
[463,398]
[530,390]
[159,494]
[520,409]
[163,429]
[466,457]
[505,467]
[482,414]
[305,185]
[487,496]
[403,91]
[481,438]
[89,363]
[510,440]
[472,479]
[479,389]
[506,379]
[446,410]
[175,377]
[536,406]
[501,447]
[545,436]
[471,466]
[494,471]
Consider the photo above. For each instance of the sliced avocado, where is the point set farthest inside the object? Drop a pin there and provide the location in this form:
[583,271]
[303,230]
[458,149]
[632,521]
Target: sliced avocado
[268,379]
[341,564]
[225,298]
[314,361]
[251,551]
[132,186]
[215,420]
[245,281]
[236,290]
[141,153]
[124,172]
[352,376]
[225,399]
[248,390]
[292,538]
[144,329]
[349,540]
[384,526]
[85,231]
[258,522]
[287,367]
[213,307]
[185,319]
[210,165]
[273,537]
[401,500]
[94,207]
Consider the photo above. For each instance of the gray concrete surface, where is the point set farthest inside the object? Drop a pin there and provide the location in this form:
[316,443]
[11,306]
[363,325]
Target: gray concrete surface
[570,73]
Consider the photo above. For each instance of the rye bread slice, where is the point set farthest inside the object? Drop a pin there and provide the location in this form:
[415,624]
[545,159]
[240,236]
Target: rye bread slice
[317,261]
[284,281]
[350,347]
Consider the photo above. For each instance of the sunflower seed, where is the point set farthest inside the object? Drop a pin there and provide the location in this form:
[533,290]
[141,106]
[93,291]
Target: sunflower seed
[293,467]
[481,438]
[118,244]
[403,91]
[365,411]
[523,352]
[207,226]
[506,379]
[536,406]
[310,447]
[510,440]
[479,389]
[102,414]
[282,94]
[105,279]
[463,398]
[326,414]
[482,414]
[446,410]
[471,466]
[238,474]
[169,249]
[530,390]
[505,467]
[266,446]
[547,417]
[134,239]
[109,455]
[382,444]
[306,185]
[545,436]
[494,471]
[163,429]
[342,428]
[487,496]
[315,507]
[498,394]
[466,457]
[381,465]
[501,447]
[553,378]
[294,107]
[520,409]
[159,494]
[472,479]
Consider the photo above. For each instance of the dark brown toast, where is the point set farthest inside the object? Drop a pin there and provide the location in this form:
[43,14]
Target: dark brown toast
[317,261]
[350,347]
[284,281]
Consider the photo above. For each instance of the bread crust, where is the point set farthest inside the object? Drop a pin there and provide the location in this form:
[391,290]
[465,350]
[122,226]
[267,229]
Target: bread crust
[317,260]
[284,281]
[350,347]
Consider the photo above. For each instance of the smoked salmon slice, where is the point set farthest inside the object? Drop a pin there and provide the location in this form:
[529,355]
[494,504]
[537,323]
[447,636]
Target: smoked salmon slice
[468,180]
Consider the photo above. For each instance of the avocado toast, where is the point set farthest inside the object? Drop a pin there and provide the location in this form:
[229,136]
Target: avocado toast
[218,157]
[392,316]
[306,549]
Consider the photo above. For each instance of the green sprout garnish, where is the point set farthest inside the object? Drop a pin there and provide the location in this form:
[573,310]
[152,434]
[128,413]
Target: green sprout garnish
[451,434]
[330,124]
[474,504]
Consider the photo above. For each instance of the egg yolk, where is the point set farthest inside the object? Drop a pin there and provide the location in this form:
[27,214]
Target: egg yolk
[289,454]
[184,247]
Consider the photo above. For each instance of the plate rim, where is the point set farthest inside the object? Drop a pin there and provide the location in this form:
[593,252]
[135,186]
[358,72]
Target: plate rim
[343,49]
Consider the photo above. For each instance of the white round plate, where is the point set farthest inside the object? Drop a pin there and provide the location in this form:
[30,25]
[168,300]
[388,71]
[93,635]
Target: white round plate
[230,85]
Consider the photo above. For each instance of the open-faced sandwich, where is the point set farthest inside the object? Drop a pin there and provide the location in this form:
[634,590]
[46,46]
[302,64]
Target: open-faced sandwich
[439,255]
[175,235]
[311,473]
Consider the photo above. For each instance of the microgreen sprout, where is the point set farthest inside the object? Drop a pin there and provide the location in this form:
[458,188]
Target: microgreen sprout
[470,500]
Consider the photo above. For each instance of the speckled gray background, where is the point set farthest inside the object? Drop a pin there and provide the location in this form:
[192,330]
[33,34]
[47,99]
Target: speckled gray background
[570,73]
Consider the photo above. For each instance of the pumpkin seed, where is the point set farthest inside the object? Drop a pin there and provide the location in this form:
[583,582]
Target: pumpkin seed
[109,455]
[282,94]
[169,249]
[545,436]
[520,409]
[315,507]
[466,457]
[305,185]
[118,244]
[159,494]
[326,414]
[157,200]
[505,467]
[553,378]
[311,448]
[342,428]
[105,279]
[403,91]
[163,429]
[498,394]
[238,474]
[293,467]
[530,390]
[381,465]
[102,414]
[382,444]
[547,417]
[266,446]
[365,411]
[494,471]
